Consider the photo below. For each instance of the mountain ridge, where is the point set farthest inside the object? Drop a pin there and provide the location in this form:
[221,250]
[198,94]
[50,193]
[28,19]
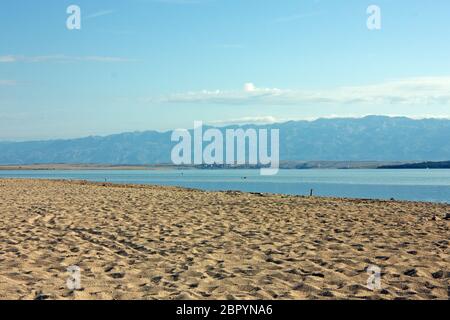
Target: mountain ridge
[372,138]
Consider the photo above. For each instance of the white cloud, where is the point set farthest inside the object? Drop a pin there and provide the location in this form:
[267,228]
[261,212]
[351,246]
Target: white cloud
[59,58]
[261,120]
[249,87]
[271,119]
[414,91]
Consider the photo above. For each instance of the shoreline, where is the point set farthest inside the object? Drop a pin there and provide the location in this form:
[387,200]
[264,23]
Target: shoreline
[262,194]
[140,185]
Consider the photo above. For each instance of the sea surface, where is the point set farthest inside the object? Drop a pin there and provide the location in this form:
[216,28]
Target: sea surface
[414,185]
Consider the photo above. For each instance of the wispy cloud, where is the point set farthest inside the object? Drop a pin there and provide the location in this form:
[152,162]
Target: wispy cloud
[99,14]
[8,59]
[8,82]
[59,58]
[272,119]
[260,120]
[423,90]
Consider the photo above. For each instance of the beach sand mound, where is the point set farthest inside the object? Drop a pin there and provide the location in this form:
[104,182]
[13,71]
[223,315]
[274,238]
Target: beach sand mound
[136,242]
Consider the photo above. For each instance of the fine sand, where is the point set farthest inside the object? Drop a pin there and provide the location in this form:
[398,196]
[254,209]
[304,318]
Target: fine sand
[135,242]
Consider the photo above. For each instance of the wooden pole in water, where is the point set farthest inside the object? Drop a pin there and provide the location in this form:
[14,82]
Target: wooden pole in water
[311,193]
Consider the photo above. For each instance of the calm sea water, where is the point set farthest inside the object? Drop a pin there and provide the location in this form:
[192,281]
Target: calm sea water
[417,185]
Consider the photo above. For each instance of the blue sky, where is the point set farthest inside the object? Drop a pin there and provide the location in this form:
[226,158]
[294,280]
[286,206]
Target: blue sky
[161,64]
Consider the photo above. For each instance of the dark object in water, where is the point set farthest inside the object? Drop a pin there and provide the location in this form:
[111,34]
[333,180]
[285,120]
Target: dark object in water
[311,192]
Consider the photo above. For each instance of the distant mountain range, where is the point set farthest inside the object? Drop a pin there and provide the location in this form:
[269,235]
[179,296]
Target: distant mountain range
[373,138]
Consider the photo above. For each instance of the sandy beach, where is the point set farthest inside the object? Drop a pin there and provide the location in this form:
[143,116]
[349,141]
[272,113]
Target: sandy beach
[148,242]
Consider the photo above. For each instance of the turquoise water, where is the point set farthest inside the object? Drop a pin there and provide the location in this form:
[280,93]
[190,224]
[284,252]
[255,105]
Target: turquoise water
[416,185]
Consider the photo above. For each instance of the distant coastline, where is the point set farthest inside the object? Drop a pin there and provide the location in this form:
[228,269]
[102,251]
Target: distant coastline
[60,166]
[287,165]
[420,165]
